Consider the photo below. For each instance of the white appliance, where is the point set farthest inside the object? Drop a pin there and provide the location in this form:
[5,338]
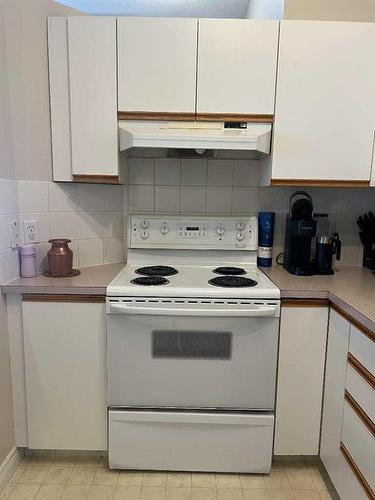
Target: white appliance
[192,336]
[245,136]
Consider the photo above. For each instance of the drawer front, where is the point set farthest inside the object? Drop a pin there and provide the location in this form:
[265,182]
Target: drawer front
[190,441]
[362,347]
[361,387]
[358,438]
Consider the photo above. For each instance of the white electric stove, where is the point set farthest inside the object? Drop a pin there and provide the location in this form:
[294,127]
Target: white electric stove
[192,336]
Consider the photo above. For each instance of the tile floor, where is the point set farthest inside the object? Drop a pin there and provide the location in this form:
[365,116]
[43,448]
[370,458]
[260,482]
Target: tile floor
[84,476]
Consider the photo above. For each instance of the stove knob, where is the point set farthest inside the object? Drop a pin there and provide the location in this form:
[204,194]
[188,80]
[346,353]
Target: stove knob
[220,230]
[145,235]
[240,236]
[240,226]
[145,224]
[164,229]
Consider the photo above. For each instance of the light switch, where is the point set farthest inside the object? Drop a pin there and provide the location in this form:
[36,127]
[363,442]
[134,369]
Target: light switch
[15,234]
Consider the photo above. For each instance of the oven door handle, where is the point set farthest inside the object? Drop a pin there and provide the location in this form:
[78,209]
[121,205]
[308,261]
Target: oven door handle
[180,311]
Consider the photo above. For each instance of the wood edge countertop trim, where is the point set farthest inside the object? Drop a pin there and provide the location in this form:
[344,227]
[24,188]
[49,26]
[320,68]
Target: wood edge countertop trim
[155,115]
[361,413]
[97,179]
[234,117]
[304,302]
[358,474]
[54,297]
[199,117]
[361,370]
[320,182]
[366,331]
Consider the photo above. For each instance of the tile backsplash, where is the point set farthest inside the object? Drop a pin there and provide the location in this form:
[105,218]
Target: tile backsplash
[223,186]
[94,217]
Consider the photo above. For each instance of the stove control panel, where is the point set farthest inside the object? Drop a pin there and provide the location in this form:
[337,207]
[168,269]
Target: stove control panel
[226,233]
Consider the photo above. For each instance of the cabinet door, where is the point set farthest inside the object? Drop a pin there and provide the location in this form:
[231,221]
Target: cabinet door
[325,102]
[236,66]
[59,98]
[93,109]
[156,64]
[339,471]
[303,334]
[65,375]
[334,388]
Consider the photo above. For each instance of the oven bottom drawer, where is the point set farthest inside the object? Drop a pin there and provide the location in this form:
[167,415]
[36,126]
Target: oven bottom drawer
[190,441]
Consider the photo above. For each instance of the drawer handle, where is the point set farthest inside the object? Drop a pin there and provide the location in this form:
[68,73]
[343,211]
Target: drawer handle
[361,370]
[358,474]
[362,415]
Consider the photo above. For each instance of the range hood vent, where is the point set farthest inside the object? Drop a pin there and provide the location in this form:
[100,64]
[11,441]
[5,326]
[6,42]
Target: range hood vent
[198,136]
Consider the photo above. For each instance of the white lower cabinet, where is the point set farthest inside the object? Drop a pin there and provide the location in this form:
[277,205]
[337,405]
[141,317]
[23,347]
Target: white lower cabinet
[65,372]
[344,480]
[303,334]
[360,443]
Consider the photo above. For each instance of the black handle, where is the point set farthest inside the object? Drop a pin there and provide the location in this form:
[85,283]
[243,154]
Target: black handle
[337,246]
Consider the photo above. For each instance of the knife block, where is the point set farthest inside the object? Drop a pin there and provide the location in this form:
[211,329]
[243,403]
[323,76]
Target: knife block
[369,258]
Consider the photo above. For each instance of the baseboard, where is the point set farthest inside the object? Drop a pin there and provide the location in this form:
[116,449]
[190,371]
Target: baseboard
[9,465]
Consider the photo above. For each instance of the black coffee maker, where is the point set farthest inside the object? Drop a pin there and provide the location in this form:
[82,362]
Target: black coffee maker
[299,234]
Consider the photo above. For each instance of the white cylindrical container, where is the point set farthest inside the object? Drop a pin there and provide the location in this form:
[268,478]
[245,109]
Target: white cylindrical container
[28,261]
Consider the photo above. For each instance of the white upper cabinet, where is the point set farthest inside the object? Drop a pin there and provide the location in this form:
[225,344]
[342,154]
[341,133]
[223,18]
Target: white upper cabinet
[237,61]
[325,102]
[59,98]
[93,109]
[157,64]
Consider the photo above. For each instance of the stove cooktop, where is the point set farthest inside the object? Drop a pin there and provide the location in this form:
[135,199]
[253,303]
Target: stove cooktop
[193,281]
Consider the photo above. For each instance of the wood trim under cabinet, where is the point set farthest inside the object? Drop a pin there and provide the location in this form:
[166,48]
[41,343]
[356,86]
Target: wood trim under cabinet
[304,302]
[366,331]
[361,413]
[155,115]
[50,297]
[234,117]
[319,183]
[361,370]
[358,474]
[97,179]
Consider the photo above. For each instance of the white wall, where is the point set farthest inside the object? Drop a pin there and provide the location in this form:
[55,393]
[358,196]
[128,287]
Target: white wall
[264,9]
[330,10]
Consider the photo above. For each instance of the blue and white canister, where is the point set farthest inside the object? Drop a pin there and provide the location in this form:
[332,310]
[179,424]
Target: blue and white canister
[266,222]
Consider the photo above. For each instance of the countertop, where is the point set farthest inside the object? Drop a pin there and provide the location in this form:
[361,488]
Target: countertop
[93,280]
[350,288]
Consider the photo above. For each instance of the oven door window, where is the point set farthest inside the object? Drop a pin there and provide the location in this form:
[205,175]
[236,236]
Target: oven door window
[191,344]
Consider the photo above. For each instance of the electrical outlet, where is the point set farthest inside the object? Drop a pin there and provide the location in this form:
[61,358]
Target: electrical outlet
[30,231]
[15,241]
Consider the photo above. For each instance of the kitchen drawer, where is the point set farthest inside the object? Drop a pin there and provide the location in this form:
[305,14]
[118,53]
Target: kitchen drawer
[358,438]
[192,441]
[361,386]
[362,347]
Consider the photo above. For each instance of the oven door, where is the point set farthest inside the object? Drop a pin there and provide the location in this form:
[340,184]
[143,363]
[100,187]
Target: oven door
[170,356]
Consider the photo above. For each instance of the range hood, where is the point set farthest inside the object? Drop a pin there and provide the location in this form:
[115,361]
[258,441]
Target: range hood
[199,136]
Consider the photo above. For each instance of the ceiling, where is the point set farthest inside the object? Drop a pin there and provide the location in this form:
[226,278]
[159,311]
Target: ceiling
[162,8]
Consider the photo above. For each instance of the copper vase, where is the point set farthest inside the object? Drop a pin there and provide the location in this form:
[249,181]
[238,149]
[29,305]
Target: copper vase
[60,258]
